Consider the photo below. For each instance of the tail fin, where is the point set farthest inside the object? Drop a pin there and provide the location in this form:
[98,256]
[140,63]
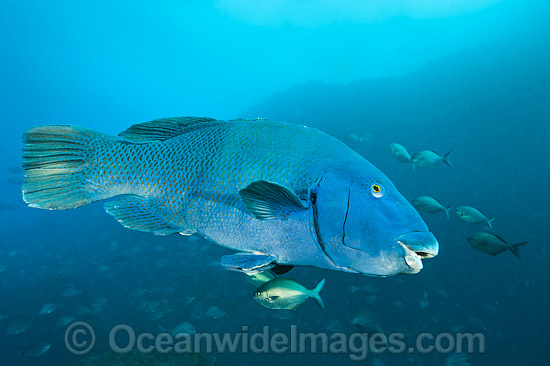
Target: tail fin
[490,222]
[447,210]
[446,158]
[315,293]
[56,161]
[515,249]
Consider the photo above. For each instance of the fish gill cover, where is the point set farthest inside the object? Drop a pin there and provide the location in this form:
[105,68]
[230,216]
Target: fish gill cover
[471,77]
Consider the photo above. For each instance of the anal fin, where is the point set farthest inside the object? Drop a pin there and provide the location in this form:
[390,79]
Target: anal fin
[249,263]
[136,213]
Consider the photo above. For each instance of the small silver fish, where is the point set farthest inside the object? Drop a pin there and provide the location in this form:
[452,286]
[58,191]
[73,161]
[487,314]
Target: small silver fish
[183,328]
[400,153]
[493,244]
[475,325]
[187,300]
[473,215]
[352,138]
[64,321]
[371,328]
[258,279]
[282,293]
[48,309]
[70,292]
[362,318]
[334,326]
[36,350]
[14,169]
[18,327]
[371,299]
[430,205]
[99,304]
[424,302]
[16,181]
[215,312]
[429,159]
[457,359]
[155,316]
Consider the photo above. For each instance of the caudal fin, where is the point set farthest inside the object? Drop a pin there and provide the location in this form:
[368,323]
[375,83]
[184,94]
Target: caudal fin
[56,162]
[315,294]
[515,249]
[447,210]
[490,222]
[446,158]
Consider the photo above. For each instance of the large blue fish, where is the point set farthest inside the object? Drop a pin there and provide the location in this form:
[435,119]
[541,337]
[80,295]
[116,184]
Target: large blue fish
[279,194]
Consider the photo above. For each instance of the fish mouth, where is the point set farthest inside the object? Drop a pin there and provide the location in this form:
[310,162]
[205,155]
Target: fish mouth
[417,245]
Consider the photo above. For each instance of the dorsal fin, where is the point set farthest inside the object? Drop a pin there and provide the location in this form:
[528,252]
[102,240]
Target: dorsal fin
[161,129]
[257,119]
[497,236]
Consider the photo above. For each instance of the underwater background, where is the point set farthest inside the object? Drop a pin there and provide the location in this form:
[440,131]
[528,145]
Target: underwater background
[471,76]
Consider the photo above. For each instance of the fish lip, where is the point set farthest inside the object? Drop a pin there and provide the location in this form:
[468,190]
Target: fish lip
[416,246]
[422,243]
[412,259]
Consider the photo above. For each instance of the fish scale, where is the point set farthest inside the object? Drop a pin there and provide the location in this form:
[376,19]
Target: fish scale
[245,155]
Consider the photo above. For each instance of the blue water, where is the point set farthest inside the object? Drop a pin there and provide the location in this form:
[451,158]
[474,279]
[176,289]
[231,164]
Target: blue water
[472,76]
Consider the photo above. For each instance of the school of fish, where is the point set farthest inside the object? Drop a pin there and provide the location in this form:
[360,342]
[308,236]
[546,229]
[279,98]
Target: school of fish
[489,243]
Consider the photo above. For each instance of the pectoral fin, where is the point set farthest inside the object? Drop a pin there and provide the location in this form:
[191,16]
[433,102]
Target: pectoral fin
[249,263]
[266,200]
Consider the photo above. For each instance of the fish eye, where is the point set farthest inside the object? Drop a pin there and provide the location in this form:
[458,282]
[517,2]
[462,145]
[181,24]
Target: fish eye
[377,190]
